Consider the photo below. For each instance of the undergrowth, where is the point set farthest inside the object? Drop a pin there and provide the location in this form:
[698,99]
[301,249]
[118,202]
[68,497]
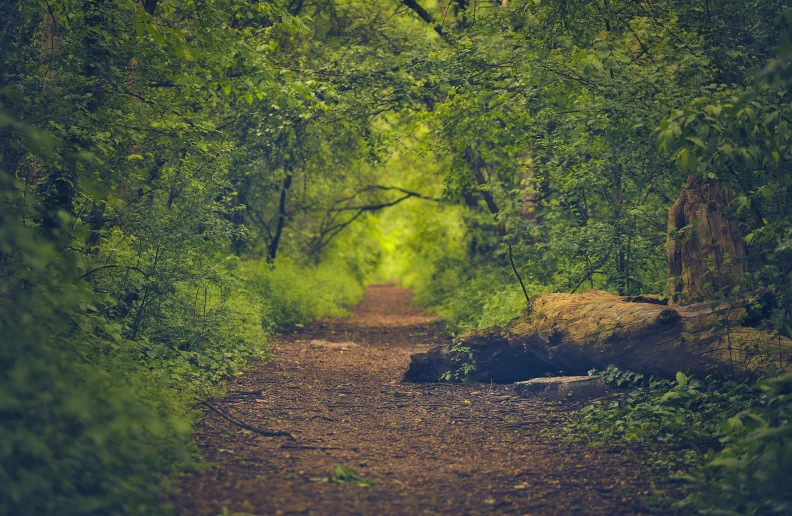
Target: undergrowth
[731,441]
[293,294]
[471,297]
[94,400]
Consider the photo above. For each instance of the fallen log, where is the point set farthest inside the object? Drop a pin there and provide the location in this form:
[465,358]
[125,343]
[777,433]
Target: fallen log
[570,334]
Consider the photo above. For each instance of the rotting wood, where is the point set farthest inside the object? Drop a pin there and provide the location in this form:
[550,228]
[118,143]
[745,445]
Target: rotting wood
[562,388]
[706,248]
[571,334]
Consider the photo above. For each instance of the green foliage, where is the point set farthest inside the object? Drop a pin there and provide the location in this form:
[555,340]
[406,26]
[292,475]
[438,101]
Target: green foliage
[182,178]
[751,474]
[730,440]
[465,363]
[677,420]
[469,297]
[293,294]
[124,299]
[76,435]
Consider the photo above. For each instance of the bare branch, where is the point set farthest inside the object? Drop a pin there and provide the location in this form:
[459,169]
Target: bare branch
[238,422]
[113,267]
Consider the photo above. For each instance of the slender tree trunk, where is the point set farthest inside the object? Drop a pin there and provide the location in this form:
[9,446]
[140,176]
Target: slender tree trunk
[96,223]
[272,252]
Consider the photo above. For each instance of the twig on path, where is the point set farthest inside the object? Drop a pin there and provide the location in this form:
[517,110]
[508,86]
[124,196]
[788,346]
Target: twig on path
[233,396]
[524,424]
[308,447]
[238,422]
[405,486]
[244,393]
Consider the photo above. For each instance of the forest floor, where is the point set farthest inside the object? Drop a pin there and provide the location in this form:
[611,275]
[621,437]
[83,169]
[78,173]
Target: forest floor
[434,448]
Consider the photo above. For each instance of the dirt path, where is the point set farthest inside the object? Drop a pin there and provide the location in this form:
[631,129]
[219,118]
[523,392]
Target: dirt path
[430,448]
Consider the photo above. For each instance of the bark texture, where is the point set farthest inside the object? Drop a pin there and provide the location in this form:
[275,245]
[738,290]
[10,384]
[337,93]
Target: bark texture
[570,334]
[706,250]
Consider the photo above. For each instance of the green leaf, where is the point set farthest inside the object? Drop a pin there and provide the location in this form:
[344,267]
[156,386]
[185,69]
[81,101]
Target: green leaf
[681,379]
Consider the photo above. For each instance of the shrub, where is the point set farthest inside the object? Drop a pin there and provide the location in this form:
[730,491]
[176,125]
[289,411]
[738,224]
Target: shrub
[294,295]
[731,440]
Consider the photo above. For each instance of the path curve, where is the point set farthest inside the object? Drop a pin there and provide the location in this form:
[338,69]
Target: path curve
[430,448]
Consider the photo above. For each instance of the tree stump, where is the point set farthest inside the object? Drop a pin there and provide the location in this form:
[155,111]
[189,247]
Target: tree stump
[706,250]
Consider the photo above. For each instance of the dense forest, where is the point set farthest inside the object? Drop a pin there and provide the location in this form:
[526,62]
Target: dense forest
[182,180]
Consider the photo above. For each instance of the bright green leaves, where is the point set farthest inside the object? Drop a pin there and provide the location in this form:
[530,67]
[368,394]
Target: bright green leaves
[588,63]
[291,24]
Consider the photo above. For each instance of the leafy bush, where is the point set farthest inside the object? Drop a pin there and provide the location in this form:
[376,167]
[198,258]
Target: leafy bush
[677,420]
[468,297]
[195,349]
[98,371]
[731,440]
[294,294]
[752,474]
[79,440]
[81,431]
[94,422]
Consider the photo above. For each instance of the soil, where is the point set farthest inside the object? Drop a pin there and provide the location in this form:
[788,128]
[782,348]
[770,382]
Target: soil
[430,448]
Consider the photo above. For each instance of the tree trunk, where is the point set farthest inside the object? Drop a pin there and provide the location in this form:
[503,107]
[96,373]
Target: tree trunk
[272,250]
[706,250]
[571,334]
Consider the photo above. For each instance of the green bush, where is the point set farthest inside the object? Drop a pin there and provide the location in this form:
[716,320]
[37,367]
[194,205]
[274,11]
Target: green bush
[473,297]
[294,295]
[752,474]
[92,422]
[732,441]
[81,431]
[95,394]
[80,440]
[195,345]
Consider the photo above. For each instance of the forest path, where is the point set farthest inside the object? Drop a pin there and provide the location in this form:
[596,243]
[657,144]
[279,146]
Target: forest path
[430,448]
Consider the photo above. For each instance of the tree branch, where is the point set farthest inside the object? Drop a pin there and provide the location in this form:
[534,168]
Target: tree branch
[330,229]
[373,207]
[113,267]
[425,16]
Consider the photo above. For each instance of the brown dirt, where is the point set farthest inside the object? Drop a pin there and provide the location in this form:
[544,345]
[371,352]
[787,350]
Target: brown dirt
[431,448]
